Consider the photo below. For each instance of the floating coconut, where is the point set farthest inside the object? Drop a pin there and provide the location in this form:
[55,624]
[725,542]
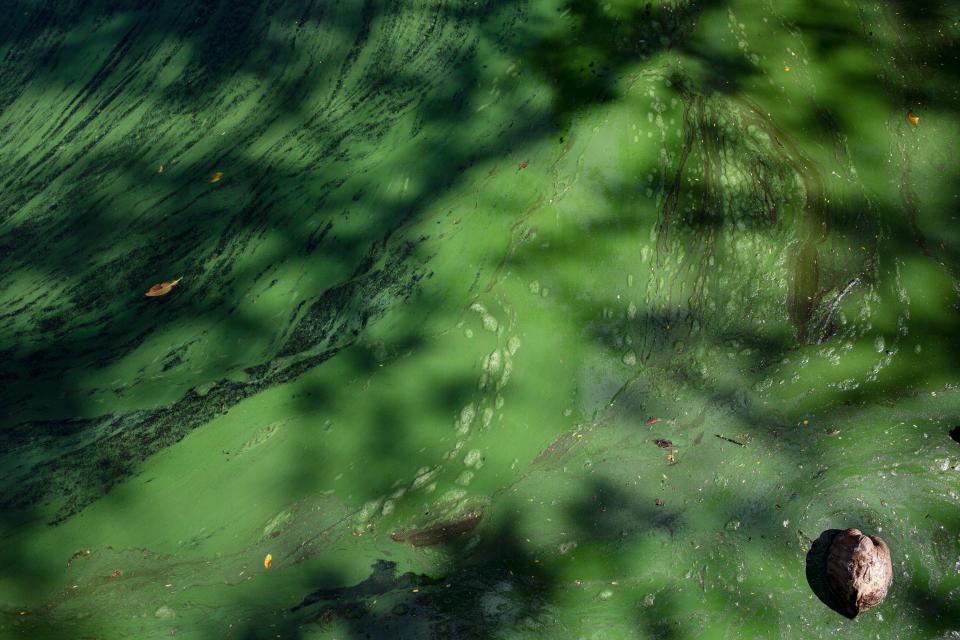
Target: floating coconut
[859,570]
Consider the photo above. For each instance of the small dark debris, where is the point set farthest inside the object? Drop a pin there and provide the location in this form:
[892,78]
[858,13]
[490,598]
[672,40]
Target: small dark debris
[955,434]
[658,502]
[663,444]
[731,440]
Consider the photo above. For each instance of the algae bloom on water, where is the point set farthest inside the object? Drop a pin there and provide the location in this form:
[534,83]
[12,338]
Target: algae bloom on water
[500,319]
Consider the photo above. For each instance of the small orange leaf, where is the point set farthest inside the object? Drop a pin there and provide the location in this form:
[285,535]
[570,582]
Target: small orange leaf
[162,288]
[268,561]
[914,120]
[216,177]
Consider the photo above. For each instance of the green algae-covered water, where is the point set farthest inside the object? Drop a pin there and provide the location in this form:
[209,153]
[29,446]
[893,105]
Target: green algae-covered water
[449,270]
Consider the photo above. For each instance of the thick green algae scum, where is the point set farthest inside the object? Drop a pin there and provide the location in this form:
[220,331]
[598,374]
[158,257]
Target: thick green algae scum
[465,263]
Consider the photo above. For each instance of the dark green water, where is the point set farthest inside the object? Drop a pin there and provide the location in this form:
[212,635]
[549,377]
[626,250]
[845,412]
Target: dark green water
[448,270]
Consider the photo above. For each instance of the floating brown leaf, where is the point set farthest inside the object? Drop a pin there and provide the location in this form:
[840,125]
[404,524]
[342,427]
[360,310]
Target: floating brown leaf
[441,532]
[162,288]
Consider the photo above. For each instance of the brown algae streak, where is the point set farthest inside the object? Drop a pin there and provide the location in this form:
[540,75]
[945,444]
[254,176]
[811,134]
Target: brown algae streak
[442,532]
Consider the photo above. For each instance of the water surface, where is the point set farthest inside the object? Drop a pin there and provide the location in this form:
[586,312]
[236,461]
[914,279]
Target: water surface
[449,270]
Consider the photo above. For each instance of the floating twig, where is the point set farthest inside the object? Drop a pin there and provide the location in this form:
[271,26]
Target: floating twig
[739,444]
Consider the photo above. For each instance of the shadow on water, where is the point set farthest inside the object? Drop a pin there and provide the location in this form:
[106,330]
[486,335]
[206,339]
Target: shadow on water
[817,570]
[584,63]
[955,434]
